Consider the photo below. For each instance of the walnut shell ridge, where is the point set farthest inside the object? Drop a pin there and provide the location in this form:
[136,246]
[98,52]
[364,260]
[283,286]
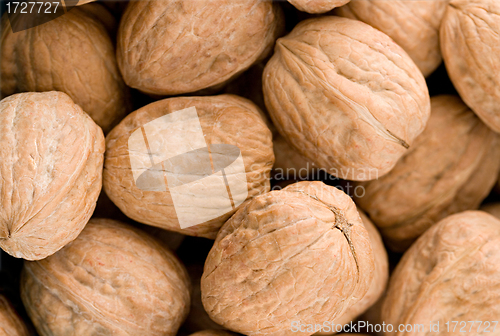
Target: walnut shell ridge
[224,119]
[345,96]
[10,323]
[414,25]
[165,49]
[317,6]
[470,43]
[112,280]
[73,54]
[452,167]
[51,159]
[449,274]
[301,253]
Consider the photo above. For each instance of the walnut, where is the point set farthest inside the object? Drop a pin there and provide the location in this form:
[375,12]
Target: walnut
[470,43]
[112,280]
[301,253]
[177,46]
[345,96]
[449,274]
[317,6]
[224,119]
[50,172]
[451,168]
[378,284]
[414,25]
[10,323]
[73,54]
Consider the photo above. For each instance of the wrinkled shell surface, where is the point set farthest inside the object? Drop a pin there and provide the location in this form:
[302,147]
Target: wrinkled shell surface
[470,43]
[301,253]
[10,323]
[451,168]
[165,49]
[212,333]
[413,24]
[345,96]
[380,277]
[449,274]
[51,157]
[317,6]
[73,54]
[224,119]
[112,280]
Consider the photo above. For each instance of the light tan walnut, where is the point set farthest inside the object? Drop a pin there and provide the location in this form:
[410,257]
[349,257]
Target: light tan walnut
[378,284]
[345,96]
[51,159]
[317,6]
[10,323]
[414,25]
[298,254]
[168,47]
[470,43]
[73,54]
[112,280]
[452,167]
[449,274]
[224,119]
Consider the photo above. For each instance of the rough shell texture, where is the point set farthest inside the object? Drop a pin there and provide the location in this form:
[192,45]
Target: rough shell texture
[470,43]
[10,323]
[301,253]
[451,168]
[165,49]
[449,274]
[380,277]
[345,96]
[224,119]
[212,333]
[317,6]
[51,156]
[73,54]
[112,280]
[492,209]
[414,25]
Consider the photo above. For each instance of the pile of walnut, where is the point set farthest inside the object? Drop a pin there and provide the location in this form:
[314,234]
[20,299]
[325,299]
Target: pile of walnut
[366,133]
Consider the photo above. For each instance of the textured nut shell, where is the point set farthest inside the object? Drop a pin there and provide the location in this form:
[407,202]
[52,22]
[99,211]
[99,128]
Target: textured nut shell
[10,323]
[492,209]
[72,54]
[225,119]
[212,333]
[470,43]
[414,25]
[165,49]
[317,6]
[112,280]
[269,263]
[50,172]
[380,277]
[449,274]
[451,168]
[345,96]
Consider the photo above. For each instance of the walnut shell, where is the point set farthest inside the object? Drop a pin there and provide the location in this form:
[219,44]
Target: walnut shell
[165,49]
[379,282]
[470,43]
[51,157]
[10,323]
[449,274]
[345,96]
[451,168]
[414,25]
[224,119]
[317,6]
[73,54]
[281,257]
[212,333]
[112,280]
